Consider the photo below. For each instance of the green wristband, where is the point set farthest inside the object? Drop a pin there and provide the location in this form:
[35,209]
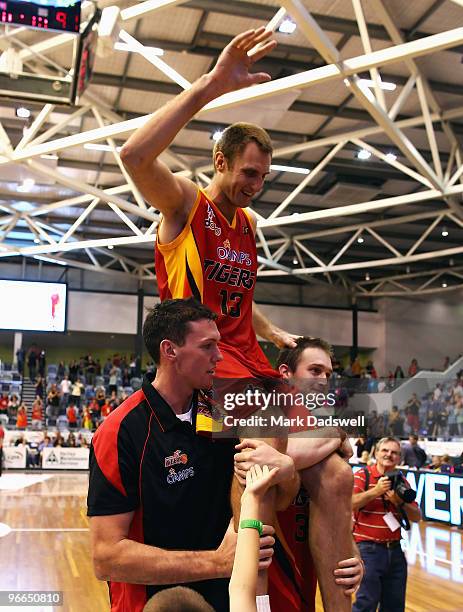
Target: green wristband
[252,524]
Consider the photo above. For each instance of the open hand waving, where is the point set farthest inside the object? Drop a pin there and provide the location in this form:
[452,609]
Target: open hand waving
[232,70]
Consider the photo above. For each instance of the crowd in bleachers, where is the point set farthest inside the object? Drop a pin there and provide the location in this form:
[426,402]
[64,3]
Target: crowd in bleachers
[76,395]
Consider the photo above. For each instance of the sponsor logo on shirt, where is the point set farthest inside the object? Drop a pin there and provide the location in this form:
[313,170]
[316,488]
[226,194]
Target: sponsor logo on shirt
[225,252]
[176,458]
[210,222]
[173,476]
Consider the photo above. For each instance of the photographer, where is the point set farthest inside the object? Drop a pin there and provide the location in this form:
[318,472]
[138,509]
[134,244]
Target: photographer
[381,505]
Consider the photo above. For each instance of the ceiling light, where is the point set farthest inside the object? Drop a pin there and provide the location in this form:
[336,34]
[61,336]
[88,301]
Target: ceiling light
[360,240]
[49,156]
[23,112]
[119,46]
[217,135]
[95,146]
[451,262]
[444,285]
[26,185]
[391,157]
[367,277]
[294,169]
[363,154]
[382,84]
[295,261]
[110,246]
[407,269]
[444,232]
[287,26]
[36,240]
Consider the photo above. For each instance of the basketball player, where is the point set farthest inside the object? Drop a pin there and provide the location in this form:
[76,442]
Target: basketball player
[206,246]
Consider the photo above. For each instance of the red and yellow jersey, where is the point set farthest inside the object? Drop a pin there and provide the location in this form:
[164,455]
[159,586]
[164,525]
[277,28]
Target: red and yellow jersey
[292,580]
[216,262]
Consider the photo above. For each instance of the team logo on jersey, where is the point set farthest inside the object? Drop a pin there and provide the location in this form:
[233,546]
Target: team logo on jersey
[210,222]
[176,458]
[173,476]
[245,229]
[226,244]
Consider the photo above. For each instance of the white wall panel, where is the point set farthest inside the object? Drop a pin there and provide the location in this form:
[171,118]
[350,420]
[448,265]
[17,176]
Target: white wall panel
[102,312]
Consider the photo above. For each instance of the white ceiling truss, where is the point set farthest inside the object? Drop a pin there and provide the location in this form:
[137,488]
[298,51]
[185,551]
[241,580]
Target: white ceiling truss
[84,210]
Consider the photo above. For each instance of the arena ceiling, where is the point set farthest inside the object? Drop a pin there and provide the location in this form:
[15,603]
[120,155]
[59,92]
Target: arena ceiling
[381,77]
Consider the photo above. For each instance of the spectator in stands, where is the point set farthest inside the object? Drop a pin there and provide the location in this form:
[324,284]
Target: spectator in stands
[39,386]
[413,368]
[431,423]
[21,417]
[32,362]
[375,426]
[113,380]
[105,411]
[395,422]
[86,418]
[53,401]
[90,371]
[46,443]
[363,444]
[4,405]
[446,363]
[452,420]
[100,397]
[442,420]
[13,406]
[435,464]
[437,393]
[446,464]
[356,368]
[65,390]
[399,373]
[20,357]
[459,413]
[61,371]
[71,441]
[95,413]
[76,392]
[371,370]
[412,409]
[59,440]
[412,454]
[42,361]
[71,414]
[73,371]
[37,413]
[113,401]
[107,366]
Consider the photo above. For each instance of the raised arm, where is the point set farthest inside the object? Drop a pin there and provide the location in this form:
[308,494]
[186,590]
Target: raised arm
[173,195]
[117,558]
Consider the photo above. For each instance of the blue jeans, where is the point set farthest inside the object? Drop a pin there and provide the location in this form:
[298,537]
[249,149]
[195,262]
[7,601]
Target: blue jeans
[385,579]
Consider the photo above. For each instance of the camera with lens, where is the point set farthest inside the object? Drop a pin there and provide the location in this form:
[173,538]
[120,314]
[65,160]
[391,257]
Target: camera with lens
[400,486]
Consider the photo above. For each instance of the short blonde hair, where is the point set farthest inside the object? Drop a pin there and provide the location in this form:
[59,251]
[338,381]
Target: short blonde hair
[236,136]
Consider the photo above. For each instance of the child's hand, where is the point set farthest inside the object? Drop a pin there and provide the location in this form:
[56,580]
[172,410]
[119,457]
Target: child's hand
[259,479]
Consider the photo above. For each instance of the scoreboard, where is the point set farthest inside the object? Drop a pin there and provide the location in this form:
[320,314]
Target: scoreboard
[57,15]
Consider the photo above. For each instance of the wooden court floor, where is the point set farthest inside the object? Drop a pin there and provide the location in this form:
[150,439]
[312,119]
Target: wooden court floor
[44,545]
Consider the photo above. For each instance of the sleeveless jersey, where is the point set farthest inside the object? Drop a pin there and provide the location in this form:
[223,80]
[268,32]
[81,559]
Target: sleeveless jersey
[292,581]
[216,263]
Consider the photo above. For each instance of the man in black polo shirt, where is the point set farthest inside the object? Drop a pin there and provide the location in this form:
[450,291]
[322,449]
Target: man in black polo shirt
[159,493]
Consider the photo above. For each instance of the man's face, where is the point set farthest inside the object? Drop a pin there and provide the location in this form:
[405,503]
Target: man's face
[313,370]
[195,361]
[244,178]
[388,456]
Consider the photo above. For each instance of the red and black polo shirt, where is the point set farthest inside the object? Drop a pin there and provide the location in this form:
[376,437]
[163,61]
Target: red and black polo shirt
[145,460]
